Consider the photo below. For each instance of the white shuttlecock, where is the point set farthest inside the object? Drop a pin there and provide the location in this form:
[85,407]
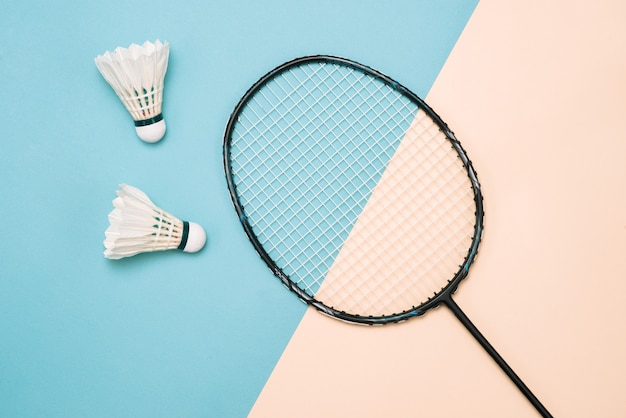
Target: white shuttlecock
[136,74]
[138,226]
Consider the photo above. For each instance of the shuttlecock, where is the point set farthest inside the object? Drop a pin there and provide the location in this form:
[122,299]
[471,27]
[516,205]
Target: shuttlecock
[136,74]
[138,226]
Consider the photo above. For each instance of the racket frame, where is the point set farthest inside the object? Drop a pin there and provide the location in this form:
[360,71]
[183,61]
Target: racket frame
[442,296]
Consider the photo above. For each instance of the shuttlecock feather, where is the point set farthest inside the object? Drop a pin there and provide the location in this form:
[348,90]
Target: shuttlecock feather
[136,74]
[137,226]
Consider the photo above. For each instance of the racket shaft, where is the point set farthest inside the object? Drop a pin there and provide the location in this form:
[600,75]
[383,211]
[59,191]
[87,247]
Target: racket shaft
[456,310]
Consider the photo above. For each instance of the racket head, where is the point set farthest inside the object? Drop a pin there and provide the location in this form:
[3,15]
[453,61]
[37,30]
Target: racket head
[285,117]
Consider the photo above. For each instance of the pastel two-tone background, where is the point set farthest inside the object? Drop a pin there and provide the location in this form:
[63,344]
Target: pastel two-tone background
[535,91]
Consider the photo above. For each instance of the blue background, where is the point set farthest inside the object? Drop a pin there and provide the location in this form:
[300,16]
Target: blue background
[162,334]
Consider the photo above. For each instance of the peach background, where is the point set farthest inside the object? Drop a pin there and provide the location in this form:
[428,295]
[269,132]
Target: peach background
[536,92]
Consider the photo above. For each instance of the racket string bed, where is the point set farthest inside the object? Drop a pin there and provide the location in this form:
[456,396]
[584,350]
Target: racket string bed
[292,149]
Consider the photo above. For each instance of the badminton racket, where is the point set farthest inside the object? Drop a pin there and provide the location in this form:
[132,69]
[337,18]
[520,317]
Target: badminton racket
[356,194]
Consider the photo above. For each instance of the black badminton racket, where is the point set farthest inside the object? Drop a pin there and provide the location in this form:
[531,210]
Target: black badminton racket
[355,194]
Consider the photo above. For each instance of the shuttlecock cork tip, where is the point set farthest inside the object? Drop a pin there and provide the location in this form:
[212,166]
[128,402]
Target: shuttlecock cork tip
[151,132]
[196,238]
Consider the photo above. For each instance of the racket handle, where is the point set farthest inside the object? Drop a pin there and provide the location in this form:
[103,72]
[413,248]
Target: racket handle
[456,310]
